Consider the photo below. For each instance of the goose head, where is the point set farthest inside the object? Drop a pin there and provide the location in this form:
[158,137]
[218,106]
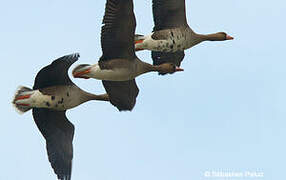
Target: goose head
[168,68]
[82,71]
[220,36]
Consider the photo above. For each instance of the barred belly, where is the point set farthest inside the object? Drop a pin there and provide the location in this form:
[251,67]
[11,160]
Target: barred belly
[177,39]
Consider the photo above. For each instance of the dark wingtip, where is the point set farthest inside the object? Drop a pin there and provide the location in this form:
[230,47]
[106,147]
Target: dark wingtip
[72,57]
[125,109]
[167,57]
[64,177]
[124,106]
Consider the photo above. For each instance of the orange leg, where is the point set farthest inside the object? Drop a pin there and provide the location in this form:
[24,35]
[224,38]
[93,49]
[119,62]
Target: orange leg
[24,104]
[139,41]
[23,97]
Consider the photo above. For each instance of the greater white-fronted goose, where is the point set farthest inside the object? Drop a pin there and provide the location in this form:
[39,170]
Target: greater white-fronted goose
[53,93]
[118,66]
[171,34]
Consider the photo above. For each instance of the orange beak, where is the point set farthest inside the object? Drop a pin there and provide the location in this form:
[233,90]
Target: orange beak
[228,37]
[178,69]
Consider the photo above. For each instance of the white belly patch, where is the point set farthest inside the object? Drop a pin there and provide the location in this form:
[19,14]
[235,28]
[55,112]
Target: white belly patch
[116,74]
[63,100]
[177,40]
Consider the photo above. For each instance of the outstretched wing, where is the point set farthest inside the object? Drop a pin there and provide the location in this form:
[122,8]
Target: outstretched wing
[169,14]
[56,73]
[122,94]
[117,33]
[58,132]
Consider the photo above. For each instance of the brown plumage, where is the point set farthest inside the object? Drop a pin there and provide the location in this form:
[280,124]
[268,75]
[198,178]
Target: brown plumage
[53,93]
[118,65]
[171,33]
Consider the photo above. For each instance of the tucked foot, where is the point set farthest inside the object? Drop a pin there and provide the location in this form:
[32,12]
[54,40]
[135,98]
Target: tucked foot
[138,45]
[81,71]
[139,41]
[23,97]
[22,100]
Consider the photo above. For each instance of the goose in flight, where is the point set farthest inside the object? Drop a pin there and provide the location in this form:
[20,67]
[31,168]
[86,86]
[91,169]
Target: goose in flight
[53,93]
[171,34]
[118,66]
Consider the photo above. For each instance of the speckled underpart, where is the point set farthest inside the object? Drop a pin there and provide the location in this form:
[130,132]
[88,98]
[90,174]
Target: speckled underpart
[63,98]
[170,40]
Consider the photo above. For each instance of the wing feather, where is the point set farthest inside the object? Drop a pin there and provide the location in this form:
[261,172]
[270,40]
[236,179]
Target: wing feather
[169,14]
[56,73]
[117,33]
[122,94]
[58,132]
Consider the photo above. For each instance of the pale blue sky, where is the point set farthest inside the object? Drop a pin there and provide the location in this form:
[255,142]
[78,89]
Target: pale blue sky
[226,112]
